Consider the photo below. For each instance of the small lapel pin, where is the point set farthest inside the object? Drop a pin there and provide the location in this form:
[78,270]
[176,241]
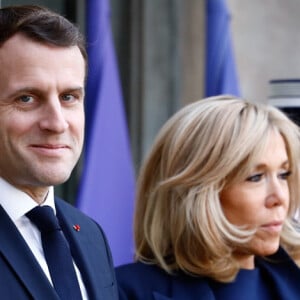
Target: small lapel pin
[76,227]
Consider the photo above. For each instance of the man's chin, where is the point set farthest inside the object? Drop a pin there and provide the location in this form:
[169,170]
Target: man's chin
[52,180]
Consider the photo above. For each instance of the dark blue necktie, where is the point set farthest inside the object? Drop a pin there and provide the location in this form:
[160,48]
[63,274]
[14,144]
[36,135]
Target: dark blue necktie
[57,253]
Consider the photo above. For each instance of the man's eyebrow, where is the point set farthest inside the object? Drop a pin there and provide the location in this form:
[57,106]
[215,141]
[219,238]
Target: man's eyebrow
[24,90]
[38,91]
[75,89]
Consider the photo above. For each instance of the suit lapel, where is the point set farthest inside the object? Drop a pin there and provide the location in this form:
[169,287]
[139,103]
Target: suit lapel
[86,251]
[15,250]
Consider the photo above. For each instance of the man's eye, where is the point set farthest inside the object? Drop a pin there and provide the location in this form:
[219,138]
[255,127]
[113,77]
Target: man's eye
[255,178]
[68,97]
[26,98]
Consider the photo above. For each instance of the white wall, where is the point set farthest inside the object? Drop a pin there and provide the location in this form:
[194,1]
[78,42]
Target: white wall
[266,40]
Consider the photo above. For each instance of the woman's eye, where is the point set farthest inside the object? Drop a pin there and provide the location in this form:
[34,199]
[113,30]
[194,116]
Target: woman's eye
[285,175]
[26,98]
[254,178]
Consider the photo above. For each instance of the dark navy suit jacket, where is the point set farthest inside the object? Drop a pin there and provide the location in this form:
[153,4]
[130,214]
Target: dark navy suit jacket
[139,281]
[21,277]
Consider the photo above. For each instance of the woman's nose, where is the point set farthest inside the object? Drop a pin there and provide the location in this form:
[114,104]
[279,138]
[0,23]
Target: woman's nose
[278,192]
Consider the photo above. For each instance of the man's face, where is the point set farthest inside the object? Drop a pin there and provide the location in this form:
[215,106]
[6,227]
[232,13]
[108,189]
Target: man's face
[41,113]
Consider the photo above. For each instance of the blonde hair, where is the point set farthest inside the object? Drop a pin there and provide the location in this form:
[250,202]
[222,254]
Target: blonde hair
[179,223]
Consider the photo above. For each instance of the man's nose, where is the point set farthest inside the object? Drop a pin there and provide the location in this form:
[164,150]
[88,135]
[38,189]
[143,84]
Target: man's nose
[53,117]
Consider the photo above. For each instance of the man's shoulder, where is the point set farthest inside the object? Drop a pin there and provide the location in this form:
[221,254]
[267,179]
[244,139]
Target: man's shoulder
[73,215]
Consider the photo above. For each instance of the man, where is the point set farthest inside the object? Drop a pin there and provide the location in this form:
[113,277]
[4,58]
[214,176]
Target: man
[42,74]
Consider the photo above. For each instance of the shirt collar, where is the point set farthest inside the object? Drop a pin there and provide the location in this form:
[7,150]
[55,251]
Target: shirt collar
[17,203]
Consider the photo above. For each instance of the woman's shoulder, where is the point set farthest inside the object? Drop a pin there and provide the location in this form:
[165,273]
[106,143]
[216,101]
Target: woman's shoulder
[140,271]
[139,281]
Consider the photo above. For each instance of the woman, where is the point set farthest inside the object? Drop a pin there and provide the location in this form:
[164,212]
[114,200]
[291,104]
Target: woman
[215,207]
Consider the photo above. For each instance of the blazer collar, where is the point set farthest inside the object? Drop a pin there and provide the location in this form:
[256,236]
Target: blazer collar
[282,272]
[279,268]
[19,256]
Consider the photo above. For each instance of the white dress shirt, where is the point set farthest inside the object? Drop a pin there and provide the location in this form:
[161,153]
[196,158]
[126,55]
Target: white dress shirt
[16,204]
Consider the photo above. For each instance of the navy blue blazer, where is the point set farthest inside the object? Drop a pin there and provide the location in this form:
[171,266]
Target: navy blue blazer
[139,281]
[21,277]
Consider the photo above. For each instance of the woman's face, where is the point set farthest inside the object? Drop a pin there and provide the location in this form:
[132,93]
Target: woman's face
[261,201]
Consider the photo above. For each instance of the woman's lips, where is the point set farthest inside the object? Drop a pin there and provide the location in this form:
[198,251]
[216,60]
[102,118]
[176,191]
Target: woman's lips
[275,226]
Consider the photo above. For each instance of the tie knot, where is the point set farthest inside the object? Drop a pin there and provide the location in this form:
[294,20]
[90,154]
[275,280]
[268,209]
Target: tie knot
[44,218]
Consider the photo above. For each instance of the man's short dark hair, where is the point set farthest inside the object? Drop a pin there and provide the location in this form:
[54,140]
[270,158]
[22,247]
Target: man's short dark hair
[39,24]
